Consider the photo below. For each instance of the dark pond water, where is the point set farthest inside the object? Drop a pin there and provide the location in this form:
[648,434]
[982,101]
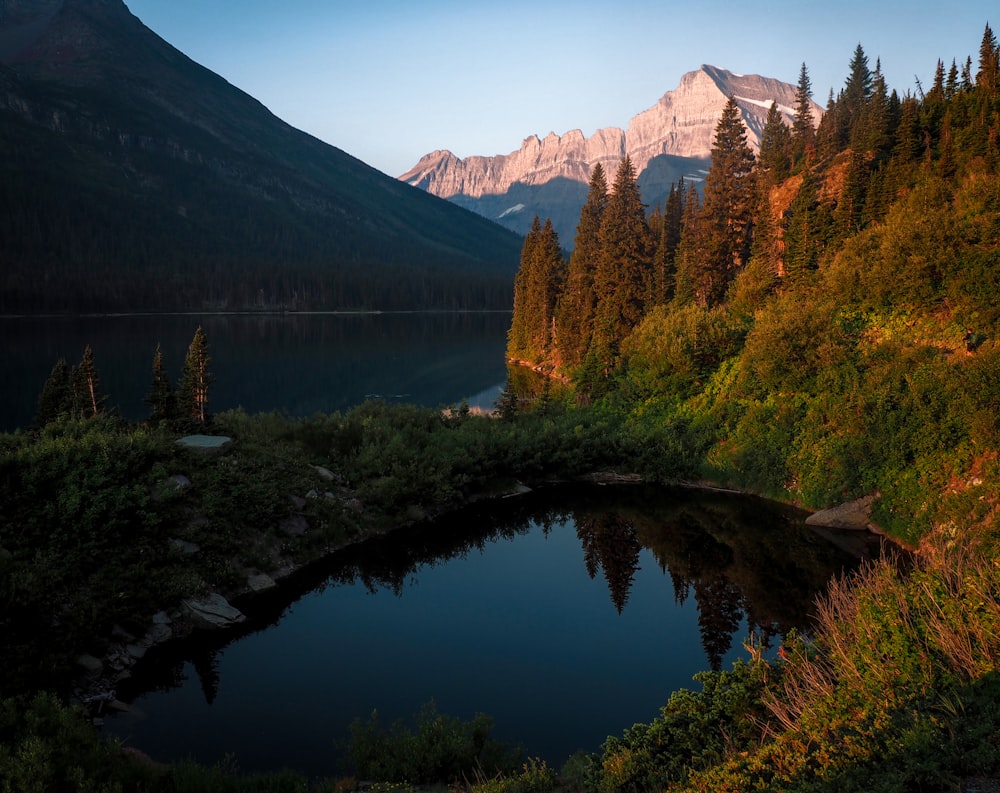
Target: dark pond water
[297,363]
[567,615]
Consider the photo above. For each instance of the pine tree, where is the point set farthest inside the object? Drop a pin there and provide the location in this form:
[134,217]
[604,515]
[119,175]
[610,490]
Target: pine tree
[192,391]
[774,158]
[729,205]
[623,277]
[803,234]
[988,75]
[87,398]
[857,90]
[519,335]
[691,250]
[56,398]
[575,316]
[803,129]
[160,399]
[669,237]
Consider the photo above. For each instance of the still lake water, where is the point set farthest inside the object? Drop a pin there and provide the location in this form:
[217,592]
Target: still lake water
[567,615]
[298,364]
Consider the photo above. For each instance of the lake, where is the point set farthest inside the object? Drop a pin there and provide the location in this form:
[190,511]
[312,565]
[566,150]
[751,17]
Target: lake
[298,364]
[567,615]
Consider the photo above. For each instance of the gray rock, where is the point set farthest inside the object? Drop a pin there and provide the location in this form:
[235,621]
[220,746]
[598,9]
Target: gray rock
[326,473]
[260,581]
[205,443]
[855,514]
[184,546]
[213,611]
[158,632]
[136,651]
[297,501]
[90,664]
[161,618]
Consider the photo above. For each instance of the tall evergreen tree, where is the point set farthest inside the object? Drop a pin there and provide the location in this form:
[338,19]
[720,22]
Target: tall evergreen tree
[87,397]
[857,90]
[988,75]
[729,206]
[664,259]
[192,390]
[774,157]
[519,335]
[56,398]
[803,129]
[160,399]
[803,237]
[575,315]
[691,250]
[623,277]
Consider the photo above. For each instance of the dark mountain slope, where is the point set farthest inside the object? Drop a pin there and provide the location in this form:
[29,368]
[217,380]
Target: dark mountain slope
[133,178]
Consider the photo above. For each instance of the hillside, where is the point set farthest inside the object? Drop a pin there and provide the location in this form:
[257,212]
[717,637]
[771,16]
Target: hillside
[135,179]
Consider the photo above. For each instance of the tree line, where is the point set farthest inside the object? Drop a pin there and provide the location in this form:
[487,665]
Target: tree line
[74,392]
[768,217]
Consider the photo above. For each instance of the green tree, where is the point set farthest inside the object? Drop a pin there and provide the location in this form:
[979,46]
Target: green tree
[691,250]
[857,90]
[623,277]
[577,302]
[536,289]
[803,129]
[774,158]
[730,199]
[160,399]
[56,398]
[668,238]
[988,75]
[192,390]
[519,335]
[87,398]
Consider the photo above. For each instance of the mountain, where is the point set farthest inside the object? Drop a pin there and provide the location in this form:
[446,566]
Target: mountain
[135,179]
[548,177]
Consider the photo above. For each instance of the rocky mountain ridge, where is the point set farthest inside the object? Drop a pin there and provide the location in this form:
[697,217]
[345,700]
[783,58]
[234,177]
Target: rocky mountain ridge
[548,176]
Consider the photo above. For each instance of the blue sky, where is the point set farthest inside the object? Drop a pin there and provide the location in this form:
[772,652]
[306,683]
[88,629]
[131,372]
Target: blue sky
[390,80]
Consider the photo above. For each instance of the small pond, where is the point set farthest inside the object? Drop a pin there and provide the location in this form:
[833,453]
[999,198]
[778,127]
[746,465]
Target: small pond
[567,614]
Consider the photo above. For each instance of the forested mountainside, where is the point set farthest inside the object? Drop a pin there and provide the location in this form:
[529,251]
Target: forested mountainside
[135,179]
[826,312]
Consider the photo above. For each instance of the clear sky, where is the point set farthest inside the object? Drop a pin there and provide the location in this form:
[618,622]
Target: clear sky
[391,80]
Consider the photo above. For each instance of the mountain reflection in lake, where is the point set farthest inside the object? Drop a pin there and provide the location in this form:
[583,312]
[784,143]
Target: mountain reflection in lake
[492,611]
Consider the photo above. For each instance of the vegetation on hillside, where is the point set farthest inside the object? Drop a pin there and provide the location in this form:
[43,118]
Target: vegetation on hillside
[818,323]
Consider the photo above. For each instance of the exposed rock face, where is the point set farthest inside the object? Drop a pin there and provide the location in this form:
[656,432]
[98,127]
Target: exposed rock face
[548,177]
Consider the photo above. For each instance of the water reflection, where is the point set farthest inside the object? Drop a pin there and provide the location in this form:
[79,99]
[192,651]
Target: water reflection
[747,563]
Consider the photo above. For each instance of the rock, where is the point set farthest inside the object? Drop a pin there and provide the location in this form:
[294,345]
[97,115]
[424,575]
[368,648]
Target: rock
[297,501]
[852,515]
[258,582]
[213,611]
[205,443]
[517,490]
[184,546]
[136,651]
[171,484]
[158,632]
[161,618]
[294,526]
[326,473]
[91,665]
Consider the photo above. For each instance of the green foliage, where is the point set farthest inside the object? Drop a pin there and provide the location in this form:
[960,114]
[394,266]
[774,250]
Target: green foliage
[534,777]
[439,749]
[695,730]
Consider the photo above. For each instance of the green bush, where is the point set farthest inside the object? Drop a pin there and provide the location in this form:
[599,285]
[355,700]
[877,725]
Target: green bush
[440,749]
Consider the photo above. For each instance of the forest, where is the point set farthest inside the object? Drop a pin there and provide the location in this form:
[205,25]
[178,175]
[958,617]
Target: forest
[814,323]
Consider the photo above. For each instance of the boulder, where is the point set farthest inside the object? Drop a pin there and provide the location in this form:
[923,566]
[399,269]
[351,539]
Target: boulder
[294,526]
[91,665]
[855,514]
[258,582]
[213,611]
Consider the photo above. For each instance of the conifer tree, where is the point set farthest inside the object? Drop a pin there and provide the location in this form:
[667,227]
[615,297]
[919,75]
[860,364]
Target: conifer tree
[803,131]
[803,235]
[623,277]
[519,335]
[87,398]
[774,158]
[664,259]
[160,399]
[192,390]
[577,302]
[857,90]
[56,398]
[691,250]
[729,206]
[988,75]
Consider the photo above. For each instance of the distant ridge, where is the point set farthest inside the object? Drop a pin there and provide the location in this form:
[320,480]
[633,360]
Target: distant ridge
[549,176]
[136,179]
